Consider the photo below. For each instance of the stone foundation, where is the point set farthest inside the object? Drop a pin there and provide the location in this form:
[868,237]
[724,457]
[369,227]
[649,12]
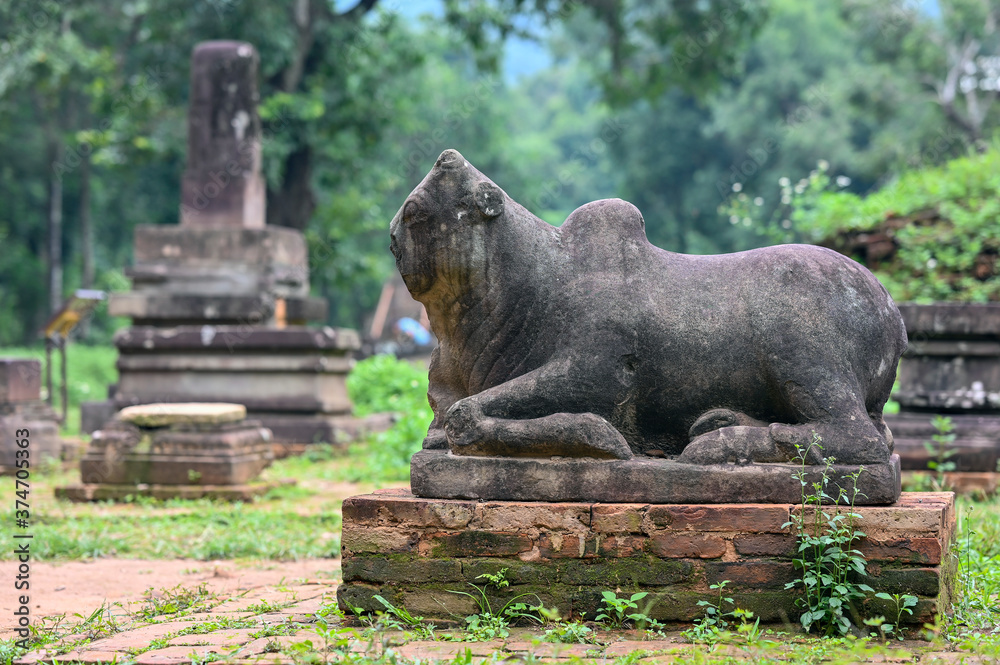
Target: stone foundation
[413,551]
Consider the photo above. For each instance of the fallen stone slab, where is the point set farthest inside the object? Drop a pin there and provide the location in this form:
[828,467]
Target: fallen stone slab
[183,413]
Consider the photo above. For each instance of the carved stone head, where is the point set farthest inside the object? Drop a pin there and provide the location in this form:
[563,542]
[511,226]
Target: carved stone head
[440,233]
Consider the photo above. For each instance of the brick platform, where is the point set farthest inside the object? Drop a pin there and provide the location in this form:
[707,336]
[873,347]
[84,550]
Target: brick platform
[413,551]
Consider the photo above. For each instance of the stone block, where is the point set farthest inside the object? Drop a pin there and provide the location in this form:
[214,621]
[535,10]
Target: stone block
[440,474]
[182,413]
[43,434]
[20,380]
[93,415]
[177,452]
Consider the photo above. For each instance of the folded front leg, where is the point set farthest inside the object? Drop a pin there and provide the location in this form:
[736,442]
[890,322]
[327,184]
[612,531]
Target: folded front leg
[481,424]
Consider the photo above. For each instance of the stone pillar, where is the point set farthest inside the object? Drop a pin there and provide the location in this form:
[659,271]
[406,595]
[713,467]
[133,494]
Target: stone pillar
[951,368]
[220,302]
[222,184]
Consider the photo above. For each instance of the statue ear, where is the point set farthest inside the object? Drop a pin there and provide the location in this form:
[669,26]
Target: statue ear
[489,199]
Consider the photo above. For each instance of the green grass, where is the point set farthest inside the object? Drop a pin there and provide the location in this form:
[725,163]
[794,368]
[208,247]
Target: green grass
[289,523]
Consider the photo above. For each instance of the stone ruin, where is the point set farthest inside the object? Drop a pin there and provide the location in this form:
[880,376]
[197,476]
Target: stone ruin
[21,407]
[219,303]
[951,368]
[175,450]
[609,416]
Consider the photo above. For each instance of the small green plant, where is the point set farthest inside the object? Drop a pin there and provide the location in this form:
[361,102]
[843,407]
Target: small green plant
[902,603]
[175,600]
[942,449]
[100,623]
[826,554]
[569,632]
[616,612]
[490,624]
[399,618]
[711,627]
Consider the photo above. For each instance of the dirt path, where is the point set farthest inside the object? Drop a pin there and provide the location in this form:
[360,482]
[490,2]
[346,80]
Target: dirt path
[81,587]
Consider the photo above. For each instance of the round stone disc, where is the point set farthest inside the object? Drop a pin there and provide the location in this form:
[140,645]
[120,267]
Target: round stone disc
[182,413]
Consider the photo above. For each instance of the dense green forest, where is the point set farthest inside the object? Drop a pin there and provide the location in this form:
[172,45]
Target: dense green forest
[710,116]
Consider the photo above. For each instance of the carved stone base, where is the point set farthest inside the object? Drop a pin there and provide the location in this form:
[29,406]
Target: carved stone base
[413,551]
[231,453]
[439,474]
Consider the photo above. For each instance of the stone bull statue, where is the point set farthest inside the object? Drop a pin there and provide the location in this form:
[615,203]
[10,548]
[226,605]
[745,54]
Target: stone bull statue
[588,341]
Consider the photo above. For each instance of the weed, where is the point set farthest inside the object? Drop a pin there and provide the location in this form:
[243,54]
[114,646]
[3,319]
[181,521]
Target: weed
[616,610]
[826,554]
[266,607]
[942,449]
[401,619]
[490,624]
[569,632]
[100,623]
[711,627]
[175,601]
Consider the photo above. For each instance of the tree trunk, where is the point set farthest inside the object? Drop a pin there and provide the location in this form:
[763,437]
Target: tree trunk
[294,203]
[56,152]
[86,239]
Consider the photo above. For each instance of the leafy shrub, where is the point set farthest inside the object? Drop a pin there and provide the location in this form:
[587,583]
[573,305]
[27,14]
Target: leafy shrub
[383,383]
[930,235]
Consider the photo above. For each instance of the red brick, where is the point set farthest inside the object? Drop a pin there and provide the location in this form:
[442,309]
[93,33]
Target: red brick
[617,517]
[910,550]
[523,515]
[766,544]
[474,543]
[686,545]
[360,539]
[566,546]
[621,545]
[741,518]
[397,508]
[911,516]
[751,574]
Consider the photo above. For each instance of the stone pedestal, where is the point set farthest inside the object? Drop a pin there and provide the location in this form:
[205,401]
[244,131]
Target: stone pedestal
[440,474]
[412,551]
[22,408]
[161,447]
[952,368]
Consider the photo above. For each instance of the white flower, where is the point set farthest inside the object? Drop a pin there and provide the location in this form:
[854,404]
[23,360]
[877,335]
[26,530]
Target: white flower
[734,219]
[784,182]
[786,223]
[758,201]
[799,188]
[737,187]
[843,181]
[823,164]
[786,199]
[932,263]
